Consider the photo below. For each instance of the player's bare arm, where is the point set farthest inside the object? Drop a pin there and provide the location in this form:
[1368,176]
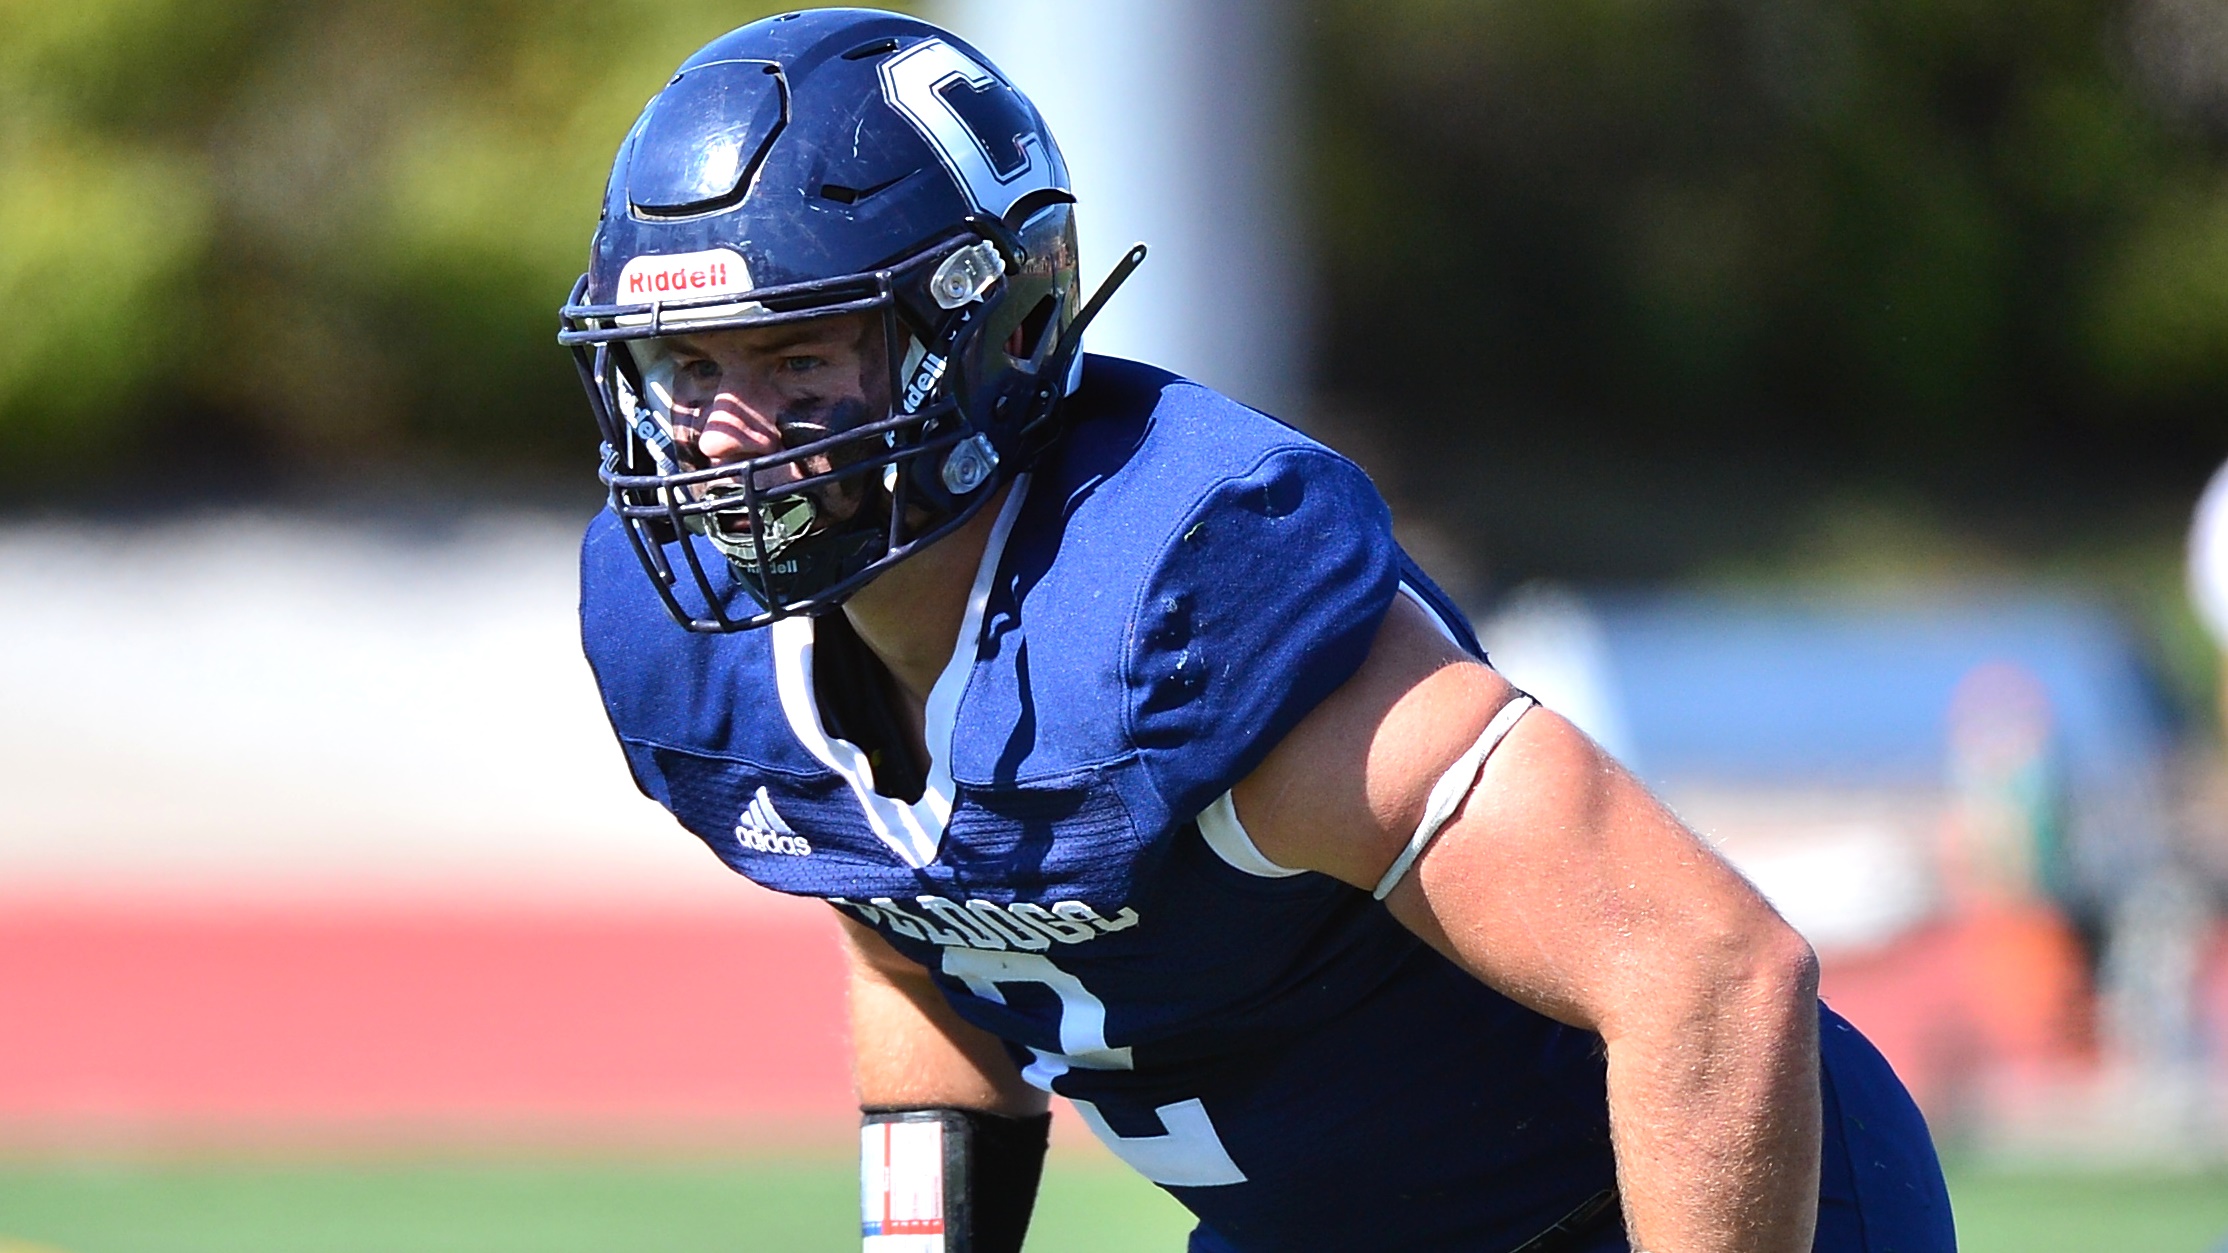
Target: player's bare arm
[911,1049]
[1562,883]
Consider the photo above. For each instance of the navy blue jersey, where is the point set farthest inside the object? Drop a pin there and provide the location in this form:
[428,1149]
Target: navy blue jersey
[1161,600]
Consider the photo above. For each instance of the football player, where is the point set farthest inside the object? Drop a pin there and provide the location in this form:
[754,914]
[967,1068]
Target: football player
[1140,763]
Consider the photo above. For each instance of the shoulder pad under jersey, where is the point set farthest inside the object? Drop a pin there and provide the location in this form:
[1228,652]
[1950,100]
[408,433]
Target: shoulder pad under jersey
[1200,577]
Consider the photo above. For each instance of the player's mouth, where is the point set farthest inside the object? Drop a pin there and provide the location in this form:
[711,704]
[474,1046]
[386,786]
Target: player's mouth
[780,523]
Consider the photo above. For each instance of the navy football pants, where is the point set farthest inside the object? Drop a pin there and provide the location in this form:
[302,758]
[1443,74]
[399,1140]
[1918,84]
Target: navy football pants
[1880,1186]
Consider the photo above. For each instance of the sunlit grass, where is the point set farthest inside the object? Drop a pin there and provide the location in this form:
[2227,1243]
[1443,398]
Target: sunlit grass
[776,1205]
[2095,1211]
[766,1205]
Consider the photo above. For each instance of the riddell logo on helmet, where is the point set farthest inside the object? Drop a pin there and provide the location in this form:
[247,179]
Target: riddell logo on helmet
[713,272]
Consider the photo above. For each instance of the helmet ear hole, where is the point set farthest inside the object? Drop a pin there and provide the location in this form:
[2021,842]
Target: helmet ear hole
[1027,339]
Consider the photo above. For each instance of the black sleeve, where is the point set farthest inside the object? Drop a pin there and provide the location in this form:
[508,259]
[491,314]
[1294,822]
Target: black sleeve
[991,1167]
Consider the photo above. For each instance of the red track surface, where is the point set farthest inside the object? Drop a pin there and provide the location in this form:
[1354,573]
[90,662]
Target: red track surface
[404,1019]
[399,1018]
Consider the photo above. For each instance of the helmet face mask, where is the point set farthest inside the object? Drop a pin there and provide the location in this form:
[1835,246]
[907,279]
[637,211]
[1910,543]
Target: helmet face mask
[847,216]
[815,384]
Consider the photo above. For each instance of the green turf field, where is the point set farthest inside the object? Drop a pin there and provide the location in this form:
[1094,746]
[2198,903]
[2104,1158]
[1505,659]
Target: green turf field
[763,1206]
[789,1207]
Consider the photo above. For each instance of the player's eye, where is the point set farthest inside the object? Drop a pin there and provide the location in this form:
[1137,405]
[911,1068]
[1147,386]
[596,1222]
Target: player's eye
[801,364]
[701,370]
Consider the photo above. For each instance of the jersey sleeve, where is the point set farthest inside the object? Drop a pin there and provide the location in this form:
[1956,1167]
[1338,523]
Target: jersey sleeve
[1263,600]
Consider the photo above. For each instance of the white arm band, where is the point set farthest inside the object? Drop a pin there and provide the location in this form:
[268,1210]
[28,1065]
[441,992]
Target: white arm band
[1448,793]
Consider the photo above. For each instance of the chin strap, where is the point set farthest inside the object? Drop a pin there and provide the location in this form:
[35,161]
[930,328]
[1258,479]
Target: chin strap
[1040,424]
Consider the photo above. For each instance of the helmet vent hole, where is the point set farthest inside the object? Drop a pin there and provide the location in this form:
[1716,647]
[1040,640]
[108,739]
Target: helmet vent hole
[872,49]
[1028,337]
[853,195]
[1034,203]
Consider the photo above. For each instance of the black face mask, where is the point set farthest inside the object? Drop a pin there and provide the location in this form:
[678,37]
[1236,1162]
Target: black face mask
[807,421]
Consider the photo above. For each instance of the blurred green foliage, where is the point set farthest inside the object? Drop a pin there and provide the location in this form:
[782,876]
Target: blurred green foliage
[1924,243]
[1781,248]
[310,235]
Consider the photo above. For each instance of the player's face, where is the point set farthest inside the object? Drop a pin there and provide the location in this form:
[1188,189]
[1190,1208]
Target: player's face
[739,394]
[751,400]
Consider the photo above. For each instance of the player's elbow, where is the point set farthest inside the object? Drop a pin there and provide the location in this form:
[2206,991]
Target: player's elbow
[1752,981]
[1751,973]
[1782,968]
[1765,984]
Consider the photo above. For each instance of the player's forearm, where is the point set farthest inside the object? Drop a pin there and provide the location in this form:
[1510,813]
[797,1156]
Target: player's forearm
[1565,884]
[1714,1108]
[909,1048]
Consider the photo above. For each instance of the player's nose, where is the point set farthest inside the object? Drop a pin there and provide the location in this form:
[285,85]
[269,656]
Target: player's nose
[737,431]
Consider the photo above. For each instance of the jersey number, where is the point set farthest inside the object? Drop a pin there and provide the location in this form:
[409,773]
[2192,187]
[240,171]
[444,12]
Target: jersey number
[1188,1155]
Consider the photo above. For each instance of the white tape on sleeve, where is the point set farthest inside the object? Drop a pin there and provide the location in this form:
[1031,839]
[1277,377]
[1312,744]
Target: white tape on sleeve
[1448,793]
[901,1187]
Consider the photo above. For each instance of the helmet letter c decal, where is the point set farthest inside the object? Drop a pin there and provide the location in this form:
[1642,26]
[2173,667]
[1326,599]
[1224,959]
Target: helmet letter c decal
[984,133]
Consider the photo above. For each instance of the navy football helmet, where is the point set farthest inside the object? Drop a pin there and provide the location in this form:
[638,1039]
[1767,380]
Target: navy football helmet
[823,164]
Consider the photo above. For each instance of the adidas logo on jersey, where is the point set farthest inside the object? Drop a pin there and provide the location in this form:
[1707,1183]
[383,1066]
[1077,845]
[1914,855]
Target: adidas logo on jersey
[762,830]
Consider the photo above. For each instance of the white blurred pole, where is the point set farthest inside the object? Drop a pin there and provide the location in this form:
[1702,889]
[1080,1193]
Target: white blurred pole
[1177,121]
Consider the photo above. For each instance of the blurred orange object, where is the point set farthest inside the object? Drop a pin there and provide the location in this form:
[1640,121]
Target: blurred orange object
[1994,996]
[2026,988]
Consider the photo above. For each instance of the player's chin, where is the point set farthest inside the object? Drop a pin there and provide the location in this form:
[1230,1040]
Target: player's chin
[840,500]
